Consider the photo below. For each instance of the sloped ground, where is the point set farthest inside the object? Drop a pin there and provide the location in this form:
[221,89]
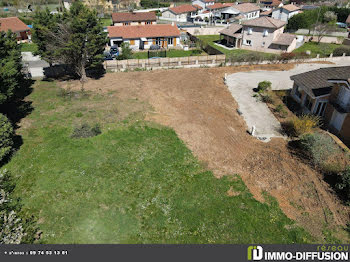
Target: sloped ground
[197,104]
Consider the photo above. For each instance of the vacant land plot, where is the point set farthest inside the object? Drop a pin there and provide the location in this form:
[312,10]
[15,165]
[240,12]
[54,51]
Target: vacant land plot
[136,182]
[197,104]
[323,49]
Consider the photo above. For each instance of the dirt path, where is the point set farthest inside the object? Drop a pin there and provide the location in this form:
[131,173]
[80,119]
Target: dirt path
[199,107]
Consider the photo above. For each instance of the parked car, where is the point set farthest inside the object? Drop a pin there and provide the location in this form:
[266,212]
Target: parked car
[107,56]
[114,51]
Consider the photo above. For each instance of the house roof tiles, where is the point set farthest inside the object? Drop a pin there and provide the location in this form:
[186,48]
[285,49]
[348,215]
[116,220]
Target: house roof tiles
[316,82]
[14,24]
[183,9]
[284,39]
[231,30]
[246,7]
[138,31]
[266,22]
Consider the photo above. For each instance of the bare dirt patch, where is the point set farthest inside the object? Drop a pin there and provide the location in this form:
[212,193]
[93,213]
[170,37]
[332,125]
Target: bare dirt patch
[199,107]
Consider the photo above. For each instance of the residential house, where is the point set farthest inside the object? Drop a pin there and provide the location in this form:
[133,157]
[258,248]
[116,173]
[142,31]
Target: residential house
[203,3]
[14,24]
[263,34]
[133,18]
[241,12]
[143,36]
[285,12]
[326,92]
[182,13]
[270,4]
[348,21]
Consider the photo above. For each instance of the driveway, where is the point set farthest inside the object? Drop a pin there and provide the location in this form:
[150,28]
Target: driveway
[35,64]
[256,113]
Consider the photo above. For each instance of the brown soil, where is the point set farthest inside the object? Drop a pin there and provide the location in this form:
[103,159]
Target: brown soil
[199,107]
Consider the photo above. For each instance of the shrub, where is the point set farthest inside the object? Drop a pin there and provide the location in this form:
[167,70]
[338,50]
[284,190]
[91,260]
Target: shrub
[319,147]
[86,130]
[287,56]
[126,52]
[304,124]
[339,51]
[343,184]
[279,108]
[6,137]
[264,86]
[267,98]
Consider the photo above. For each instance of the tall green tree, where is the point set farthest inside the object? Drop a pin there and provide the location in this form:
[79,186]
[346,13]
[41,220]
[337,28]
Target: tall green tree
[11,77]
[75,38]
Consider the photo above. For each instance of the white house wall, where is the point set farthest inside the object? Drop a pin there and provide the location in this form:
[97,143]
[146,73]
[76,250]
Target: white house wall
[170,16]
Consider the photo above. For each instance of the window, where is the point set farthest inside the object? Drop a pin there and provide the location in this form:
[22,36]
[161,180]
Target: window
[126,23]
[158,41]
[148,23]
[250,30]
[248,42]
[308,103]
[297,92]
[170,41]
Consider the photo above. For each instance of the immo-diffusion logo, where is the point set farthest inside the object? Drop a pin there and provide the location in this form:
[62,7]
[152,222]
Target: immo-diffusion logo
[255,253]
[331,253]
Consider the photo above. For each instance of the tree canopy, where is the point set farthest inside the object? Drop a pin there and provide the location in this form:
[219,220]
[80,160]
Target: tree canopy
[75,38]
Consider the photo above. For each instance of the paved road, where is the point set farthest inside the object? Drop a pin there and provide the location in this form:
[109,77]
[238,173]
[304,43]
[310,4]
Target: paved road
[35,64]
[255,112]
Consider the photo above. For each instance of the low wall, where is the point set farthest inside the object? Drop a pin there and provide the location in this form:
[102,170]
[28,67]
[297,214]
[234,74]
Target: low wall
[166,62]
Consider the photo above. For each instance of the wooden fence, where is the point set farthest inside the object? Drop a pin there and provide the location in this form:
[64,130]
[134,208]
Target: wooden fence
[166,62]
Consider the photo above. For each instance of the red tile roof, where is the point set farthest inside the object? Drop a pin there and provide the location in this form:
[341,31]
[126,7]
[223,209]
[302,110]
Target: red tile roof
[290,8]
[265,21]
[134,17]
[138,31]
[198,7]
[219,6]
[183,9]
[246,7]
[14,24]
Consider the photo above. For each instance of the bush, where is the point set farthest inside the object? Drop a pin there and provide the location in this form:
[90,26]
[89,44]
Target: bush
[287,56]
[343,184]
[320,147]
[304,124]
[267,98]
[86,130]
[264,86]
[126,52]
[15,228]
[339,51]
[6,137]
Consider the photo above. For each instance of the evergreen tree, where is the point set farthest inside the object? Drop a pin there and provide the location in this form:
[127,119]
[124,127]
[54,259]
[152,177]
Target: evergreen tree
[11,77]
[75,38]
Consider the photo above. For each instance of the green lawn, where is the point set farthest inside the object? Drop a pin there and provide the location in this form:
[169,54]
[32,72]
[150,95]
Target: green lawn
[323,49]
[135,183]
[106,21]
[26,47]
[170,53]
[209,39]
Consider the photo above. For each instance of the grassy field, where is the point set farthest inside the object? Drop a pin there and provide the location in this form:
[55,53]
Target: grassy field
[323,49]
[170,53]
[134,183]
[209,39]
[26,47]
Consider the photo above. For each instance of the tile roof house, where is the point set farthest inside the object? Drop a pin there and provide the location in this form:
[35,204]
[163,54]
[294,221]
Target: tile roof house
[182,13]
[262,34]
[268,4]
[14,24]
[203,3]
[285,12]
[143,36]
[133,18]
[239,12]
[326,92]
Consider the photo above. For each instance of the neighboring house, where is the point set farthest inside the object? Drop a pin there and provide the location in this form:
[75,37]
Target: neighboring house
[182,13]
[239,12]
[270,4]
[14,24]
[232,36]
[326,92]
[131,18]
[285,12]
[267,13]
[143,36]
[348,21]
[203,3]
[265,34]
